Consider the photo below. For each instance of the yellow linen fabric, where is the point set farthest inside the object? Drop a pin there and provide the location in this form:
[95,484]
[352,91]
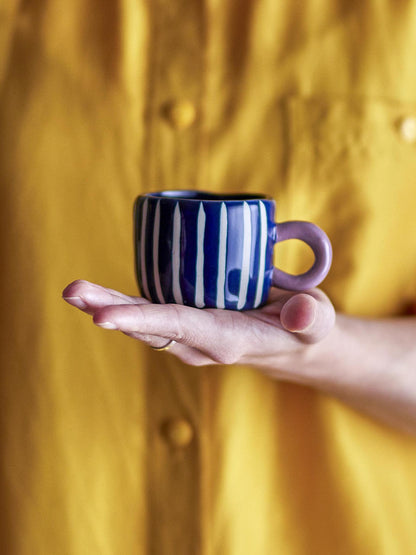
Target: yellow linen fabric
[311,102]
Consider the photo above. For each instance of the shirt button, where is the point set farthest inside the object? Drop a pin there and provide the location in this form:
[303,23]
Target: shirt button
[180,113]
[178,431]
[407,129]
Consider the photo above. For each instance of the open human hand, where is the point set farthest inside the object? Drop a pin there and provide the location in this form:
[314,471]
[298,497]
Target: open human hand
[366,363]
[284,326]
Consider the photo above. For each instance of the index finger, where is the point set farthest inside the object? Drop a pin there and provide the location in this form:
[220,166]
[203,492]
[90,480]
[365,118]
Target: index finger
[89,296]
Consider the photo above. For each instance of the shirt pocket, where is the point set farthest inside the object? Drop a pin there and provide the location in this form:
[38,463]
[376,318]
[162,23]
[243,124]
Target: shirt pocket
[351,168]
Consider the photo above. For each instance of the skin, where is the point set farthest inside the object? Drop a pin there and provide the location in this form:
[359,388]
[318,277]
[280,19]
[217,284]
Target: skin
[295,337]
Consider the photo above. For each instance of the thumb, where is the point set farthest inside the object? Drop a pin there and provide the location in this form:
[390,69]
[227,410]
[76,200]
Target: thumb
[309,315]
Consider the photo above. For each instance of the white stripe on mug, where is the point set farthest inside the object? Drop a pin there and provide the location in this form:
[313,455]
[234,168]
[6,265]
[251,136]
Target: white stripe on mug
[263,246]
[245,265]
[156,234]
[222,254]
[199,280]
[176,253]
[143,251]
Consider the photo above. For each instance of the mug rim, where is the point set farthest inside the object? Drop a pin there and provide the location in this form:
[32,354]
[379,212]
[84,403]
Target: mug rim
[194,195]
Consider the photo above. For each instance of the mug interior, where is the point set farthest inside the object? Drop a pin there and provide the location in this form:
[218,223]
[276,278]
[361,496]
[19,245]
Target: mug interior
[206,196]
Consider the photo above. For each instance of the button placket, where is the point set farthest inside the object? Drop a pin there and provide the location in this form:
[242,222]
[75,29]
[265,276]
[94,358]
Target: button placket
[174,391]
[176,73]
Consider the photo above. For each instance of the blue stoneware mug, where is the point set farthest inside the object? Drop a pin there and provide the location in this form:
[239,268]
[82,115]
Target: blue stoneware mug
[215,250]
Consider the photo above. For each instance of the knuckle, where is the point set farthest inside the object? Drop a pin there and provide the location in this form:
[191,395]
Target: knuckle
[227,356]
[175,318]
[183,333]
[102,314]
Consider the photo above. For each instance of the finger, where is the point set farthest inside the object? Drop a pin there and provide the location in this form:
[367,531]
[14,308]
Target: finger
[89,296]
[154,341]
[188,355]
[308,315]
[210,331]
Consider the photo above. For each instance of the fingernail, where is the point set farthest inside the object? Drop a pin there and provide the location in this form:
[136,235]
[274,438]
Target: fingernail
[107,325]
[76,301]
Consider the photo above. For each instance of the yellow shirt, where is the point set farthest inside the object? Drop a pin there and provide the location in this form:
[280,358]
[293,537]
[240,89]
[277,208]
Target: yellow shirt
[109,448]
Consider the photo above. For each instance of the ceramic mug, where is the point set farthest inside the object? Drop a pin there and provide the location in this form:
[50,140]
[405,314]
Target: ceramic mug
[215,250]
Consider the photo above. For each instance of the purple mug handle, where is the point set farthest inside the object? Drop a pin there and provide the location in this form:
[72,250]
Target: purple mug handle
[320,244]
